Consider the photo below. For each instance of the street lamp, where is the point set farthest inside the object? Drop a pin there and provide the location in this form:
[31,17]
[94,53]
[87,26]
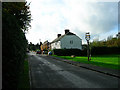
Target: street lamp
[87,37]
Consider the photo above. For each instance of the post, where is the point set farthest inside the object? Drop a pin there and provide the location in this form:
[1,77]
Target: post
[87,37]
[88,50]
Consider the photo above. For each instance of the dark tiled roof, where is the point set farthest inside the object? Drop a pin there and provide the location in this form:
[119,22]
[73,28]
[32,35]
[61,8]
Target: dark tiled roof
[70,33]
[58,39]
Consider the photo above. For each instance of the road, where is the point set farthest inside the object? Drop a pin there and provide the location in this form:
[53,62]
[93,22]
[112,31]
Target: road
[46,72]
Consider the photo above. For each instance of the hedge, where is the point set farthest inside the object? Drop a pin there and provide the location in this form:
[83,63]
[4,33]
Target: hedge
[93,51]
[105,50]
[14,46]
[67,52]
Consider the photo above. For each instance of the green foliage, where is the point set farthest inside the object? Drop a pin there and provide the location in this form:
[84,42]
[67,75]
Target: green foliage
[114,42]
[110,42]
[33,47]
[15,21]
[19,11]
[67,52]
[105,50]
[109,46]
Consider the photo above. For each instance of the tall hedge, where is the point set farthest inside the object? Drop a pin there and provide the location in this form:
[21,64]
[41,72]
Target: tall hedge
[14,42]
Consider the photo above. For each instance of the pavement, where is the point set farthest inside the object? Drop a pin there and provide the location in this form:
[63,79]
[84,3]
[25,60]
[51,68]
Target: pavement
[107,71]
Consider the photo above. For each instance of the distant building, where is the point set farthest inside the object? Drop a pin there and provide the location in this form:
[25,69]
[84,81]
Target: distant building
[45,45]
[67,41]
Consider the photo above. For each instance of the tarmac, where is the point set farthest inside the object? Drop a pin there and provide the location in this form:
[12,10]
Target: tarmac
[107,71]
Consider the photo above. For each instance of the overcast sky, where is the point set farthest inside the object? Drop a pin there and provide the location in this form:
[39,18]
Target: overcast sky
[52,17]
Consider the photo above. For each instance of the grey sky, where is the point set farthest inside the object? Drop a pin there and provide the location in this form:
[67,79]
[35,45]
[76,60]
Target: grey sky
[51,17]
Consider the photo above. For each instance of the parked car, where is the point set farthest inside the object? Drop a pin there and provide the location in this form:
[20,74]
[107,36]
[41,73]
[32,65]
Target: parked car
[49,53]
[38,52]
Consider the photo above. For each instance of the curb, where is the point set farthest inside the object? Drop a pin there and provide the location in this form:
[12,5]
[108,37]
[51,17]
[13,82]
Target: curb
[77,64]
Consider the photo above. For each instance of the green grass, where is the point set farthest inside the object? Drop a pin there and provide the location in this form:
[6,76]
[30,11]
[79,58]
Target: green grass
[24,77]
[107,61]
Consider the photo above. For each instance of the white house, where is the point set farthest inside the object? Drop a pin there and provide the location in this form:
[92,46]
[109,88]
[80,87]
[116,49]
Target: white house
[67,41]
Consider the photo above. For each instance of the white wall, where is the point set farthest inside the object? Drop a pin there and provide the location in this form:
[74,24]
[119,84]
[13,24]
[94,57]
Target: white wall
[65,42]
[56,45]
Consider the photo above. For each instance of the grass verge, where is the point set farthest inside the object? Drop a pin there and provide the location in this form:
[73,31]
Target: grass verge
[24,77]
[107,61]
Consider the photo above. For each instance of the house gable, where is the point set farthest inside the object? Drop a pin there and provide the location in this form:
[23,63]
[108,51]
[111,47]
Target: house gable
[71,42]
[68,40]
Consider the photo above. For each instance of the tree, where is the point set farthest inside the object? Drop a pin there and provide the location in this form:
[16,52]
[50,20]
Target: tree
[16,19]
[18,11]
[109,37]
[109,46]
[113,42]
[110,42]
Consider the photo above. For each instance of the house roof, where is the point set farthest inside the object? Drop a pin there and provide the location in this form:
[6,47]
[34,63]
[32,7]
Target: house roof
[46,42]
[58,39]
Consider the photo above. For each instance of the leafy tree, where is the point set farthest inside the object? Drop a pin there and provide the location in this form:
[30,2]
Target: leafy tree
[109,37]
[33,47]
[30,46]
[118,42]
[38,46]
[16,19]
[112,42]
[19,11]
[109,46]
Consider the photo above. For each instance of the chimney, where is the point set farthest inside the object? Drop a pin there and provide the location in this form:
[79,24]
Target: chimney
[66,31]
[58,35]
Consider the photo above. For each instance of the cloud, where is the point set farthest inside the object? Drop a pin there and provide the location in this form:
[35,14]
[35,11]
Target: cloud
[51,17]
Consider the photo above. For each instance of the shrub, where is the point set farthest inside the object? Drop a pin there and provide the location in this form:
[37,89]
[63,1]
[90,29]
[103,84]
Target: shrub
[93,51]
[67,52]
[105,50]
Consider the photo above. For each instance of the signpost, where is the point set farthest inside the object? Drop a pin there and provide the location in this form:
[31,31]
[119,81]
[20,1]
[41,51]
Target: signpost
[87,37]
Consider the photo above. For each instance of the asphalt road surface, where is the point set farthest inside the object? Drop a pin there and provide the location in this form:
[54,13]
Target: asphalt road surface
[46,72]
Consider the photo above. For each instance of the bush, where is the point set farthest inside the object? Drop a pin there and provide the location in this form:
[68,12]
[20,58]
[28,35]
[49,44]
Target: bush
[94,51]
[105,50]
[67,52]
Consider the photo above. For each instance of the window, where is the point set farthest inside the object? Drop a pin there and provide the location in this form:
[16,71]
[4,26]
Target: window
[71,41]
[55,43]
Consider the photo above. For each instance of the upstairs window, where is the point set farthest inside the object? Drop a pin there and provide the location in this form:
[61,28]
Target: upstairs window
[71,41]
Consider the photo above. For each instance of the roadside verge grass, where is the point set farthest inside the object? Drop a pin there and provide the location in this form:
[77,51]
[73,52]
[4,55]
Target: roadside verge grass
[24,77]
[107,61]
